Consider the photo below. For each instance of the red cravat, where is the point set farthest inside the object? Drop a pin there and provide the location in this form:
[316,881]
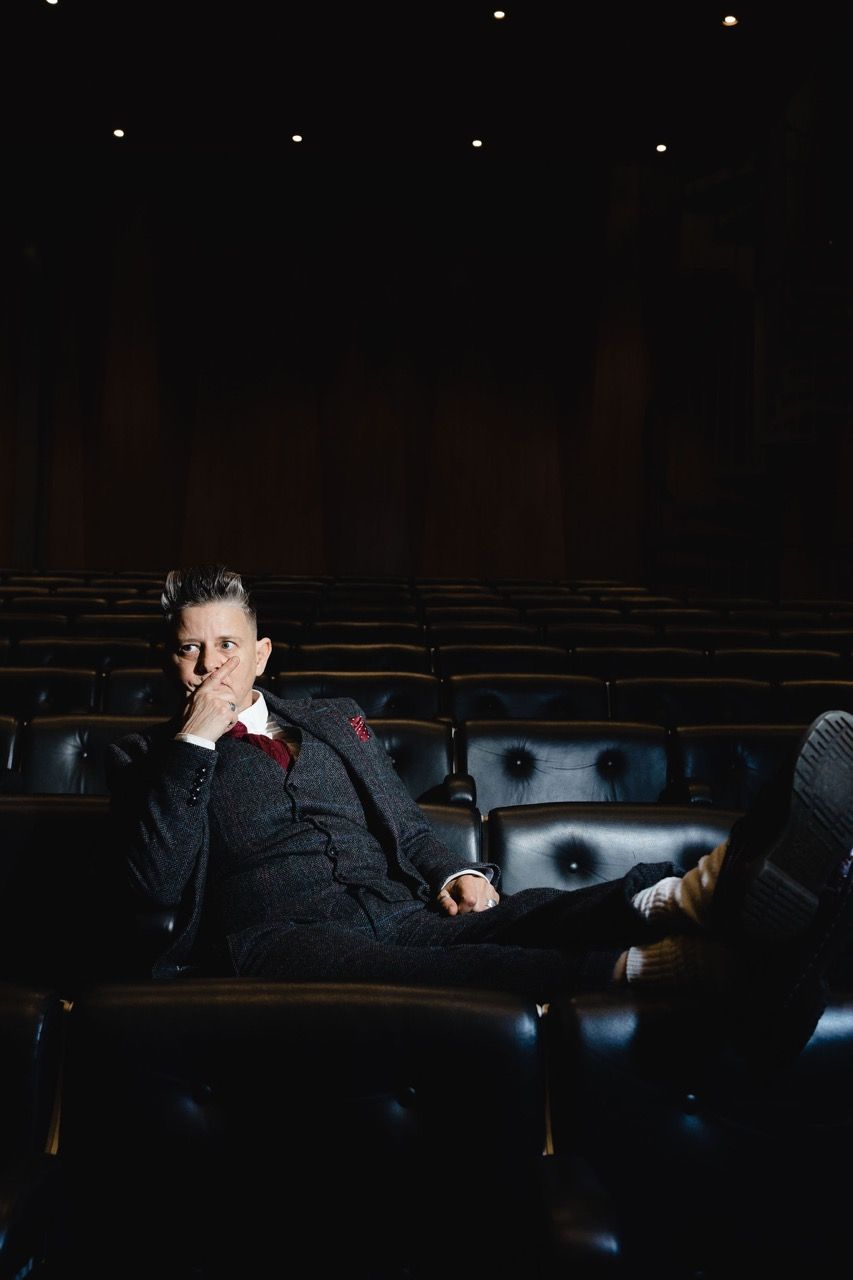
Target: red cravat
[275,747]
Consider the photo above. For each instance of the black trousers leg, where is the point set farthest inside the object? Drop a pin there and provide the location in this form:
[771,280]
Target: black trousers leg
[539,943]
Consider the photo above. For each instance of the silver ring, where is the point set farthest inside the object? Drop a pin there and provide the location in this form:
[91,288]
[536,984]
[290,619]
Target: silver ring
[491,902]
[233,706]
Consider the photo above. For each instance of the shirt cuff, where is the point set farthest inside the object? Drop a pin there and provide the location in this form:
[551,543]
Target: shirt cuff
[466,871]
[196,740]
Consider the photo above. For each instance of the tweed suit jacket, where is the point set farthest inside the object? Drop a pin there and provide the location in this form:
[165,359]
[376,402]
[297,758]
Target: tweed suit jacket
[174,801]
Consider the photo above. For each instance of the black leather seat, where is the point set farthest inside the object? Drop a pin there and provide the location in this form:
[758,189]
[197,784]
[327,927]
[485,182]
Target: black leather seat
[663,617]
[835,639]
[29,691]
[439,634]
[356,657]
[719,1167]
[586,635]
[570,846]
[801,701]
[67,604]
[778,664]
[530,762]
[365,611]
[375,631]
[64,755]
[18,625]
[471,614]
[140,691]
[145,626]
[692,700]
[104,653]
[459,659]
[567,613]
[253,1115]
[618,661]
[712,638]
[727,765]
[460,826]
[514,695]
[421,752]
[386,694]
[775,619]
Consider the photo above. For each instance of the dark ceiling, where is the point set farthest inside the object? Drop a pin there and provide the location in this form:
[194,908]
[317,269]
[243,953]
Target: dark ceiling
[407,83]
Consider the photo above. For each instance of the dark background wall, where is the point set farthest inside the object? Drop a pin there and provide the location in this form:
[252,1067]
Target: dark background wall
[592,360]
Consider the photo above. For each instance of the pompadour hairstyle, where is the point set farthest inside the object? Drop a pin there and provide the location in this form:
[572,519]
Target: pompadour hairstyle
[204,584]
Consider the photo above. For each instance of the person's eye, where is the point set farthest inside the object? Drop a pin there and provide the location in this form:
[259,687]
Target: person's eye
[229,644]
[185,649]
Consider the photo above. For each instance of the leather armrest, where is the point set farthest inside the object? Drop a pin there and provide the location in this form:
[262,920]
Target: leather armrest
[457,788]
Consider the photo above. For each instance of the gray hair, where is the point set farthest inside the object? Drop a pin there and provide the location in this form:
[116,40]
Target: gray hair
[204,584]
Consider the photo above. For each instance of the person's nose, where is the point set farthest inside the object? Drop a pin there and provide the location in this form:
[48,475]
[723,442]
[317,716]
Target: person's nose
[208,661]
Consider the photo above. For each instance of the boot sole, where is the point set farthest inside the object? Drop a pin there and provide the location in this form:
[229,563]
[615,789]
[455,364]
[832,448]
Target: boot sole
[782,896]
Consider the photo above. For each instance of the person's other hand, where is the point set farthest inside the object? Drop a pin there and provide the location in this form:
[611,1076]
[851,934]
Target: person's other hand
[210,709]
[467,893]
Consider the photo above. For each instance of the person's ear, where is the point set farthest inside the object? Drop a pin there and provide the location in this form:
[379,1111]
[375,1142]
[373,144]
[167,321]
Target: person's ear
[264,649]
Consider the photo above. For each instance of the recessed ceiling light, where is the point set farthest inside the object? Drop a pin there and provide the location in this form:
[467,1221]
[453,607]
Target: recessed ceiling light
[118,133]
[661,146]
[476,142]
[498,13]
[730,20]
[53,1]
[296,137]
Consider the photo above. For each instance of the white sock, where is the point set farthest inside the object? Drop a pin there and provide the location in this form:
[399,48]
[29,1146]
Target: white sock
[683,902]
[678,964]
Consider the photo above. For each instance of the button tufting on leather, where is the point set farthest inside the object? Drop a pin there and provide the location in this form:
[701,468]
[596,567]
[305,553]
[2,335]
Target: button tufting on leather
[520,763]
[611,763]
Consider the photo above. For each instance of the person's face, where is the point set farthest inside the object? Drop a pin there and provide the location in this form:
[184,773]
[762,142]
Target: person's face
[206,635]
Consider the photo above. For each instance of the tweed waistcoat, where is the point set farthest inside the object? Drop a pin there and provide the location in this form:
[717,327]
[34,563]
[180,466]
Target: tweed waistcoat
[305,856]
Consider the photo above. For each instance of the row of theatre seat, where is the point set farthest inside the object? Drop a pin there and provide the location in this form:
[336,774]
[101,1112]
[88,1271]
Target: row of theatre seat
[211,1127]
[487,763]
[606,657]
[498,694]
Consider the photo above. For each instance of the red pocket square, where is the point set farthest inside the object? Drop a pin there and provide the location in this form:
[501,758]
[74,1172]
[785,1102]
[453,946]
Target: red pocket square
[360,727]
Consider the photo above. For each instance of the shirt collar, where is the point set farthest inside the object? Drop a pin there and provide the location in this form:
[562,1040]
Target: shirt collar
[255,717]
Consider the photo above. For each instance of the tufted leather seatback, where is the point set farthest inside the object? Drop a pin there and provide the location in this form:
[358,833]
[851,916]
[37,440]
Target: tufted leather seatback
[140,691]
[787,663]
[357,657]
[387,694]
[570,846]
[65,754]
[420,750]
[612,662]
[531,762]
[29,691]
[101,652]
[456,659]
[512,695]
[719,1167]
[676,700]
[731,763]
[801,701]
[215,1122]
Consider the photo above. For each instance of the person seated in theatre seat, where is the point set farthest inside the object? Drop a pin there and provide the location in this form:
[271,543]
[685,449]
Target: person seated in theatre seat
[281,831]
